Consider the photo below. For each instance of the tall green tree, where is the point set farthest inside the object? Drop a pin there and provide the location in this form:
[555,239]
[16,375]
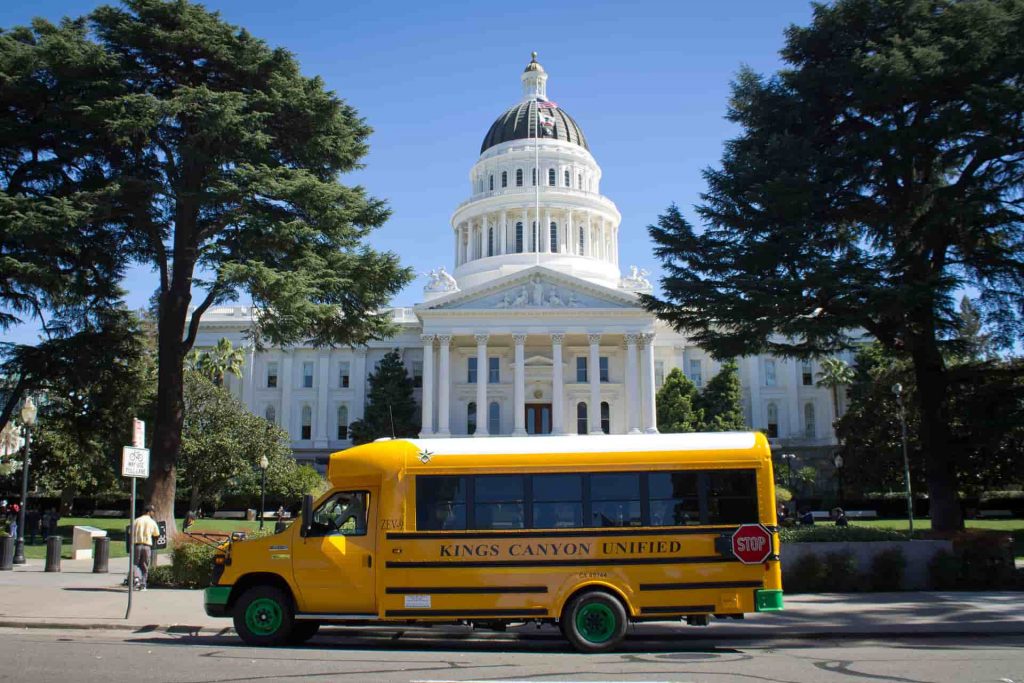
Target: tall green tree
[391,409]
[219,166]
[875,176]
[721,400]
[676,403]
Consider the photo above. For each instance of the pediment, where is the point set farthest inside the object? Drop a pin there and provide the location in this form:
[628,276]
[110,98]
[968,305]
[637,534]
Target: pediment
[538,361]
[536,289]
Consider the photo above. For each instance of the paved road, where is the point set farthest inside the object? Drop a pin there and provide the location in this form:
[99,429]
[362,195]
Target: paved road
[421,656]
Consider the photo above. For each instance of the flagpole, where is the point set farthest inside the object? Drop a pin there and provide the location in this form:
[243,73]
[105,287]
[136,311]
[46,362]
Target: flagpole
[536,175]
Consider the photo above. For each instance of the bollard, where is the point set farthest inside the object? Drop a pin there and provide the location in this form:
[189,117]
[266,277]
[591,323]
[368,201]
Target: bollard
[53,553]
[6,553]
[100,555]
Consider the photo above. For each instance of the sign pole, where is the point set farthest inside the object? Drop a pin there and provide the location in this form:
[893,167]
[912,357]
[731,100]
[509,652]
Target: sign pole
[134,464]
[131,551]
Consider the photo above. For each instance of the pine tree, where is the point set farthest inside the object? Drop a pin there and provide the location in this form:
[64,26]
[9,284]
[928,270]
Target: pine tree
[676,405]
[721,400]
[390,402]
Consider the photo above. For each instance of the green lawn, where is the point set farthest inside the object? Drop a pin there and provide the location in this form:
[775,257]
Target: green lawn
[115,531]
[1013,526]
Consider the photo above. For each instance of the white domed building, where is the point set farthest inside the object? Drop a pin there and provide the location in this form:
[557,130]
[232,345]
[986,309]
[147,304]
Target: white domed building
[534,331]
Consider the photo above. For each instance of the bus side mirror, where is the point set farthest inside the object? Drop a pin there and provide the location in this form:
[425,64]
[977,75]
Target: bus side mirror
[307,515]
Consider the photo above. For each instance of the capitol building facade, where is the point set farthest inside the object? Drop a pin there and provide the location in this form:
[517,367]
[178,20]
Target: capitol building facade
[534,331]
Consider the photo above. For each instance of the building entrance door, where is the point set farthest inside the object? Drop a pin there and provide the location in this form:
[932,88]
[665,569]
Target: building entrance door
[538,418]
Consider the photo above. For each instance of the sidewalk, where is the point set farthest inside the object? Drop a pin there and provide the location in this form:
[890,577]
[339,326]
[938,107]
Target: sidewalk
[76,598]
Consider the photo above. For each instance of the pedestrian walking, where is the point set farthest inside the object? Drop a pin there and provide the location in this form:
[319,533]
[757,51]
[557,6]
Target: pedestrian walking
[144,532]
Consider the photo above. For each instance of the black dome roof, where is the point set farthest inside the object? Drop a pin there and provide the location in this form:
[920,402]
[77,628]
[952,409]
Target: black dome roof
[519,122]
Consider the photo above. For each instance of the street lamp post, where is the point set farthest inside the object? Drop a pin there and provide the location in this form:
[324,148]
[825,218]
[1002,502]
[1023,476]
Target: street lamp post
[264,464]
[898,390]
[28,419]
[838,462]
[789,458]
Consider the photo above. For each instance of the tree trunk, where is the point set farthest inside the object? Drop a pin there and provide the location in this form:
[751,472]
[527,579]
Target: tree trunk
[67,500]
[935,437]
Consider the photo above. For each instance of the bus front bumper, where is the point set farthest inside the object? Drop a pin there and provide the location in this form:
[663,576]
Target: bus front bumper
[215,600]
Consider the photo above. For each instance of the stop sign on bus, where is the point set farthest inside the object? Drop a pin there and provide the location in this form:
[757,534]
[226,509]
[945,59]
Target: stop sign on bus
[752,543]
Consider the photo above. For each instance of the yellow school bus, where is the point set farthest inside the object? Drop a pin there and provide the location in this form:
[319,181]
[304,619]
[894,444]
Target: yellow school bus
[586,532]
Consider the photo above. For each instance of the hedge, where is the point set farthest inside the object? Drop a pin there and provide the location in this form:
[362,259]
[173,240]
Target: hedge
[837,534]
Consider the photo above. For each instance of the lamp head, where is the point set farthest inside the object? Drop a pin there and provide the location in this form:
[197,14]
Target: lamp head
[897,389]
[28,412]
[264,463]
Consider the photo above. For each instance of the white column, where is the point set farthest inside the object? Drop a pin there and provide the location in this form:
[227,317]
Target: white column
[504,232]
[427,391]
[632,400]
[285,381]
[458,247]
[586,236]
[557,386]
[320,428]
[481,384]
[469,243]
[563,229]
[526,230]
[520,386]
[443,383]
[594,375]
[796,415]
[649,411]
[358,383]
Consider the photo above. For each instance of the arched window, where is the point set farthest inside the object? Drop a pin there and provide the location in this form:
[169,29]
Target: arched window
[554,237]
[809,426]
[606,417]
[471,418]
[519,177]
[504,178]
[494,418]
[581,418]
[342,422]
[270,414]
[519,238]
[568,178]
[772,414]
[581,241]
[490,241]
[307,423]
[551,177]
[491,182]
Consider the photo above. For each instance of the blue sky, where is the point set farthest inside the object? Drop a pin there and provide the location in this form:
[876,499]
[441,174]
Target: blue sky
[647,81]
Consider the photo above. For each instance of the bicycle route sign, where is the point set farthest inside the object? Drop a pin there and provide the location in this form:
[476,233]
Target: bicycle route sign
[135,462]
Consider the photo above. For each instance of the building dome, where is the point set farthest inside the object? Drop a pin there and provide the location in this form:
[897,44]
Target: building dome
[519,122]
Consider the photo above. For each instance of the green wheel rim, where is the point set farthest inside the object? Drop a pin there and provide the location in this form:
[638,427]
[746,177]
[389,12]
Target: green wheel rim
[595,621]
[264,616]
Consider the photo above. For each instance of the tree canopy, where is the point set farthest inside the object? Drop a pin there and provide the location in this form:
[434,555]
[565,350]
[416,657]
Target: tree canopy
[676,405]
[716,408]
[874,177]
[391,408]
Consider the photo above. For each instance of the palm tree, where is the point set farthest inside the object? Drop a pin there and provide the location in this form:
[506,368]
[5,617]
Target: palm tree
[834,374]
[219,361]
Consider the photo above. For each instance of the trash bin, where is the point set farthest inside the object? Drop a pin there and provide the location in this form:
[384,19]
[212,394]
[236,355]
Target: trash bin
[101,555]
[53,553]
[6,553]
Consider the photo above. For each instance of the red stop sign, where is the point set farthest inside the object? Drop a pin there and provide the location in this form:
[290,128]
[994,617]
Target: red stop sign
[752,544]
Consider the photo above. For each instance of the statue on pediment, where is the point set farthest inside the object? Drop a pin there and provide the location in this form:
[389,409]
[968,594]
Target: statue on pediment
[538,291]
[441,281]
[637,280]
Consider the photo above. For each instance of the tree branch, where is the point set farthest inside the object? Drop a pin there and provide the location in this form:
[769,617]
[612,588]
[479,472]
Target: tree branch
[193,324]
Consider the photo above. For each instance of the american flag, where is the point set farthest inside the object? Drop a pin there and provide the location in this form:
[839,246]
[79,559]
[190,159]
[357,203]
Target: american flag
[547,105]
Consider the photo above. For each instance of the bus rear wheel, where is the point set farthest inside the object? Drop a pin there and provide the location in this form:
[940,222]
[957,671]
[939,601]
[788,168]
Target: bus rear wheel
[263,616]
[594,622]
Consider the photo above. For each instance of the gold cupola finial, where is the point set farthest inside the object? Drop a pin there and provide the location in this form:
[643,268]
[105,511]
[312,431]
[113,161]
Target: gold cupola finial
[533,65]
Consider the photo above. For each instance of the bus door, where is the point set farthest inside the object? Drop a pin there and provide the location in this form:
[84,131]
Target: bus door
[333,565]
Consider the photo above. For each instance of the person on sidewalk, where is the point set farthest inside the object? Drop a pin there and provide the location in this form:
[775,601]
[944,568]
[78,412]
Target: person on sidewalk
[144,532]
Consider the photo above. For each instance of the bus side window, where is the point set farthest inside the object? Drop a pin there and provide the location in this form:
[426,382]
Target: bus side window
[440,503]
[731,496]
[343,514]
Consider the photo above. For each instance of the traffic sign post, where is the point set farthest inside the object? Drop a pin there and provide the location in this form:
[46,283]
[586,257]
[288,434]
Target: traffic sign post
[752,543]
[134,464]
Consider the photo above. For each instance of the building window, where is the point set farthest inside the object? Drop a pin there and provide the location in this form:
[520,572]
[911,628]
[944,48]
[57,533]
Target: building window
[519,238]
[809,426]
[534,237]
[579,181]
[519,177]
[342,423]
[271,375]
[307,375]
[270,414]
[471,418]
[606,417]
[343,375]
[769,373]
[471,370]
[659,373]
[533,177]
[307,423]
[695,373]
[494,370]
[568,178]
[602,363]
[551,177]
[504,178]
[807,373]
[773,420]
[581,241]
[581,417]
[581,369]
[490,183]
[494,418]
[490,241]
[553,230]
[417,373]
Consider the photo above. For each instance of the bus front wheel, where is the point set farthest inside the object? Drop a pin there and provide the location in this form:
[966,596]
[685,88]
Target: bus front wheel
[594,622]
[263,615]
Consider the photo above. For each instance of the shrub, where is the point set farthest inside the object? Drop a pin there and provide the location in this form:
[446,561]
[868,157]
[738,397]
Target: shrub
[887,567]
[806,575]
[161,577]
[831,533]
[944,570]
[986,560]
[840,572]
[192,564]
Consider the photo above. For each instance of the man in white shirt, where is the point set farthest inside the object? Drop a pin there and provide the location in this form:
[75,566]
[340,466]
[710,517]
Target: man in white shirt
[144,532]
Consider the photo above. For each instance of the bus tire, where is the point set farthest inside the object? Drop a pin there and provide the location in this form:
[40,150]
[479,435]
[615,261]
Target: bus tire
[594,622]
[303,631]
[264,616]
